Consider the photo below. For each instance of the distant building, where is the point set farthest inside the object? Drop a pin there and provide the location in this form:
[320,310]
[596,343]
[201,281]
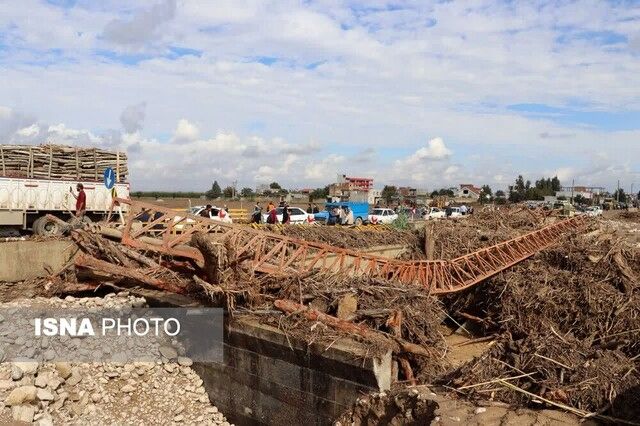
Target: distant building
[373,196]
[588,192]
[468,190]
[262,188]
[351,188]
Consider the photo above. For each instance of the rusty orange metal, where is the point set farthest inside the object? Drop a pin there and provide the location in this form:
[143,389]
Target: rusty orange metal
[278,254]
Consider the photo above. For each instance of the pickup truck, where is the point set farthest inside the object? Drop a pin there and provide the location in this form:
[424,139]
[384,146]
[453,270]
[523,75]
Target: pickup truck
[360,212]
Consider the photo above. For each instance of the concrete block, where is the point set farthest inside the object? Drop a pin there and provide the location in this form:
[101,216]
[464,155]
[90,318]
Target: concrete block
[24,260]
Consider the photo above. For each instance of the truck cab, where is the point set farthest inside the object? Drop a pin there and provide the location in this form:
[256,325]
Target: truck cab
[360,212]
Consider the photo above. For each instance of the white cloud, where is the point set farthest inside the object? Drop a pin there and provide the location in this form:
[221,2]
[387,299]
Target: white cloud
[435,150]
[185,132]
[325,79]
[29,132]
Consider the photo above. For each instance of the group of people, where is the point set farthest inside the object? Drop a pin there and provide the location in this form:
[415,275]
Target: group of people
[341,216]
[206,212]
[272,213]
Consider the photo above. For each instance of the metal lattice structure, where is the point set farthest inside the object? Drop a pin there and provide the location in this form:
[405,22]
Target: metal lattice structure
[273,253]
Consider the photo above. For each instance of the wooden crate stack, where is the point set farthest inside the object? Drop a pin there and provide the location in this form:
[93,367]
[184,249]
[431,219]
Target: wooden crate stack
[61,162]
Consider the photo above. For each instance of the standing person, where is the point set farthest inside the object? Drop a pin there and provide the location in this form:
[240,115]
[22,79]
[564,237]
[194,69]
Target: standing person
[257,213]
[273,216]
[310,209]
[81,200]
[342,216]
[463,209]
[285,214]
[206,212]
[270,206]
[316,209]
[222,213]
[349,218]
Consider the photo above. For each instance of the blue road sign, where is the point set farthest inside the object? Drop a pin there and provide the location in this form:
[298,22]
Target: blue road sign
[109,177]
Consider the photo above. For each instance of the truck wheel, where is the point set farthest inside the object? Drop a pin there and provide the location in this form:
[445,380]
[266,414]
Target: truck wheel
[358,221]
[36,224]
[46,227]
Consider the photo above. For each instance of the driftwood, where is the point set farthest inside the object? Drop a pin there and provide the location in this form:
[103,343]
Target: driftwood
[397,344]
[86,261]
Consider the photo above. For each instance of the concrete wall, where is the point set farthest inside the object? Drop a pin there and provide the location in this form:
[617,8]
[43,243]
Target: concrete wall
[23,260]
[270,378]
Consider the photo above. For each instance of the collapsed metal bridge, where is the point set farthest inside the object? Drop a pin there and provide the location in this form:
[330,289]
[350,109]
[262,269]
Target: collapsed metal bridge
[272,253]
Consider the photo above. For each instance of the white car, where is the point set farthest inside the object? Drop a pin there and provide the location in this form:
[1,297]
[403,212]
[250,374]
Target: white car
[594,211]
[296,215]
[453,212]
[434,213]
[214,214]
[382,216]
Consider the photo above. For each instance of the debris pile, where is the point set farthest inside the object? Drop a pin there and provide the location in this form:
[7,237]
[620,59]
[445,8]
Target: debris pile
[566,322]
[569,326]
[348,238]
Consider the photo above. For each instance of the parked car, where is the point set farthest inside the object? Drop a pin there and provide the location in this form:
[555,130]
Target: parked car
[434,213]
[382,216]
[296,215]
[453,212]
[594,211]
[214,214]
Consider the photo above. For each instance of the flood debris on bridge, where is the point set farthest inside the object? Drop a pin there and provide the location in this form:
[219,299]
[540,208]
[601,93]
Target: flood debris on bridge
[561,329]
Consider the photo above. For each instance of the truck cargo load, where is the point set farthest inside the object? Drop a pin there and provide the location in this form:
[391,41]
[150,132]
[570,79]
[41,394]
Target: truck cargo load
[35,181]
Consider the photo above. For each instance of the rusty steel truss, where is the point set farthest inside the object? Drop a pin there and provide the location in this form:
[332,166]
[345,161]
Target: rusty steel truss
[275,254]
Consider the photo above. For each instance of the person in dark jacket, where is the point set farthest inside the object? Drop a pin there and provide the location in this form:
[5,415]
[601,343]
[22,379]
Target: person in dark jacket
[285,215]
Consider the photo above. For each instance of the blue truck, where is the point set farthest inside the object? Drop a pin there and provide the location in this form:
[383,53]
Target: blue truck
[360,212]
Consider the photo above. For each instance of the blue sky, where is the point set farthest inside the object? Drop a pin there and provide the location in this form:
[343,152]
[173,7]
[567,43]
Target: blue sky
[418,93]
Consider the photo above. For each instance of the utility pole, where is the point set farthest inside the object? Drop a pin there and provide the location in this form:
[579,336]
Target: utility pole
[618,192]
[573,184]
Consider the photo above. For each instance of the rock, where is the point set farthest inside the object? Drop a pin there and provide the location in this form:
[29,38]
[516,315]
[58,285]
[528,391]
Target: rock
[64,369]
[23,413]
[7,384]
[169,368]
[185,361]
[480,410]
[27,367]
[74,379]
[54,382]
[347,306]
[20,395]
[96,397]
[16,373]
[178,418]
[127,388]
[168,352]
[42,380]
[45,420]
[44,395]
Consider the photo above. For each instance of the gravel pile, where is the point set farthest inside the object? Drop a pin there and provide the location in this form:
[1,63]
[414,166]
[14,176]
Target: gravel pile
[45,393]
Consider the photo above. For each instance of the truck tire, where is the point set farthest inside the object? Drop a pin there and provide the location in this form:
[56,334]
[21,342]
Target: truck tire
[46,227]
[36,224]
[358,221]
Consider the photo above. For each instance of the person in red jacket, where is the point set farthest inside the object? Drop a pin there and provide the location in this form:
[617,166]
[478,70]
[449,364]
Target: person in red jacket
[81,200]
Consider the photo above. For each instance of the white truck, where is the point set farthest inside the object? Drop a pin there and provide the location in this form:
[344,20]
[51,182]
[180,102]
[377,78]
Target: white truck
[26,200]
